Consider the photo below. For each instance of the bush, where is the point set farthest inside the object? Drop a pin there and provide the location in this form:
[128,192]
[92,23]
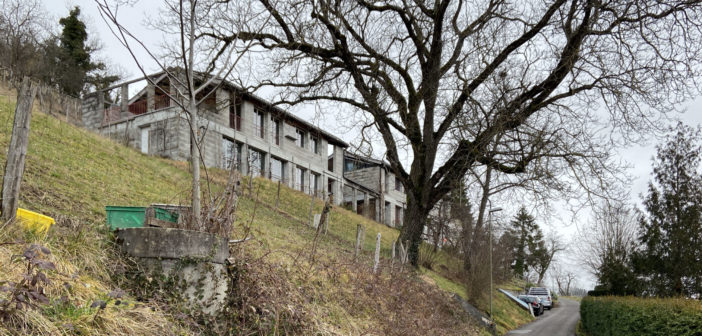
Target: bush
[614,316]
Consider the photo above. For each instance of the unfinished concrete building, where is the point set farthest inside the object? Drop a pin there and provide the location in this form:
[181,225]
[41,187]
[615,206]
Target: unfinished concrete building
[236,129]
[241,129]
[380,195]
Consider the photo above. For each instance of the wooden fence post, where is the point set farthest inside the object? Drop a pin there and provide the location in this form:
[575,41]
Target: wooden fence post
[376,259]
[392,255]
[326,222]
[359,232]
[323,217]
[17,152]
[277,197]
[311,208]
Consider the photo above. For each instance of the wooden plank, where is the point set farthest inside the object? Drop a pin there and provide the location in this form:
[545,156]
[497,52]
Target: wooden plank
[17,152]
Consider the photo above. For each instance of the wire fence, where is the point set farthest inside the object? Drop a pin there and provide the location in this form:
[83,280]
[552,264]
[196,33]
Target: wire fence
[49,99]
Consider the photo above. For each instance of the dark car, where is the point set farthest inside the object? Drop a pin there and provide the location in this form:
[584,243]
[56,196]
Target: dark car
[535,302]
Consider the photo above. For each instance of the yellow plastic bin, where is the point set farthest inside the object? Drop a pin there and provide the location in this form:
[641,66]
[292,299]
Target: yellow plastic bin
[33,221]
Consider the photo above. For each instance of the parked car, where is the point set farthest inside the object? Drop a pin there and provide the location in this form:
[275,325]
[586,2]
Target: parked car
[544,294]
[535,302]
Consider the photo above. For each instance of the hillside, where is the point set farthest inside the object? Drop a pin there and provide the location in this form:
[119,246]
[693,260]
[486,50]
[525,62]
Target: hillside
[71,174]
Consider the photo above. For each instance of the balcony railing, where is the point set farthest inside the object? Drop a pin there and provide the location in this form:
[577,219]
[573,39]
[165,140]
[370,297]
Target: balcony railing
[114,112]
[161,102]
[138,107]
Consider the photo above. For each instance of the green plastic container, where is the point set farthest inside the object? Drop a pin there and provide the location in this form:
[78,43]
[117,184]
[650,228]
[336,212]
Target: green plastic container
[120,217]
[165,215]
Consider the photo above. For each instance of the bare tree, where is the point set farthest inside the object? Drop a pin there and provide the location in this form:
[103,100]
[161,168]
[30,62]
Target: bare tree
[552,246]
[415,69]
[22,27]
[564,279]
[612,233]
[195,62]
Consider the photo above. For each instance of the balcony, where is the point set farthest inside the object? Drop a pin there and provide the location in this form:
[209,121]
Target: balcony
[114,112]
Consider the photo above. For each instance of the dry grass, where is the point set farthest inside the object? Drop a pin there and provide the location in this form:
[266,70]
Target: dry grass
[72,290]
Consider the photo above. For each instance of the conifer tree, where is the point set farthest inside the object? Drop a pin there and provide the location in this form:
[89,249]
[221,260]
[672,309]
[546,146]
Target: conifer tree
[671,235]
[524,234]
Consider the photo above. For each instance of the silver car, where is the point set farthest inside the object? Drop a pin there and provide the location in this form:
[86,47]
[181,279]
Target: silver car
[544,294]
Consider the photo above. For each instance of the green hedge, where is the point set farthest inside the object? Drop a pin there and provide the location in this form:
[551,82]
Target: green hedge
[625,316]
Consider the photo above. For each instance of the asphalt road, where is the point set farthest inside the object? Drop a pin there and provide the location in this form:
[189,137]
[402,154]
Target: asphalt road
[559,321]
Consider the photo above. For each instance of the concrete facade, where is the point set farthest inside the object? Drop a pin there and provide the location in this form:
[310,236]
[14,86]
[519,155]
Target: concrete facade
[235,128]
[244,130]
[385,198]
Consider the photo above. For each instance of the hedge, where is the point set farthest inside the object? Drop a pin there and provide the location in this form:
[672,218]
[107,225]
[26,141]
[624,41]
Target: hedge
[627,316]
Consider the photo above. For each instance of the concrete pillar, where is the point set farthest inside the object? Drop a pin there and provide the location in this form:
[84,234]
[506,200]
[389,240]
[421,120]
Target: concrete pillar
[309,188]
[173,91]
[265,163]
[338,160]
[288,173]
[325,182]
[378,206]
[124,101]
[389,213]
[222,106]
[150,93]
[100,109]
[366,205]
[267,128]
[340,191]
[355,201]
[291,170]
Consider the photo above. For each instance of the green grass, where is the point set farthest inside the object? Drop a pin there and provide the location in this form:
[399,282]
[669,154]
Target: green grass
[70,171]
[445,284]
[507,314]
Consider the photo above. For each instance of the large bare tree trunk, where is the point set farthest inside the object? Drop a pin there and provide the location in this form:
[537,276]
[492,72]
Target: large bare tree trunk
[17,152]
[414,221]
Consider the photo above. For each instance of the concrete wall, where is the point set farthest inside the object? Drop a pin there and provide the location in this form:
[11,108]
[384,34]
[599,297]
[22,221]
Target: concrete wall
[168,134]
[378,179]
[91,111]
[367,177]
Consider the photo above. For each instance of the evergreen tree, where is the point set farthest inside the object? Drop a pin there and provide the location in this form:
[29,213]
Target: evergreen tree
[68,58]
[669,258]
[615,274]
[524,234]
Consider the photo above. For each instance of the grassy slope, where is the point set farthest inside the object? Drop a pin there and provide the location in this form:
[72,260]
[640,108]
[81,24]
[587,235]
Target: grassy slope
[508,315]
[65,174]
[71,173]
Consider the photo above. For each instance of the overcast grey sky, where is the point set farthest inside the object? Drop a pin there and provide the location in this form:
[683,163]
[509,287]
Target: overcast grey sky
[638,156]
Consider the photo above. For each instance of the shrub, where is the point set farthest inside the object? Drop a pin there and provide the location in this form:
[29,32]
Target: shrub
[614,316]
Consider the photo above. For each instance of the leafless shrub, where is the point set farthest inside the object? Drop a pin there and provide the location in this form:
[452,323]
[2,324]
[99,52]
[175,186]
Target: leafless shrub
[218,212]
[428,256]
